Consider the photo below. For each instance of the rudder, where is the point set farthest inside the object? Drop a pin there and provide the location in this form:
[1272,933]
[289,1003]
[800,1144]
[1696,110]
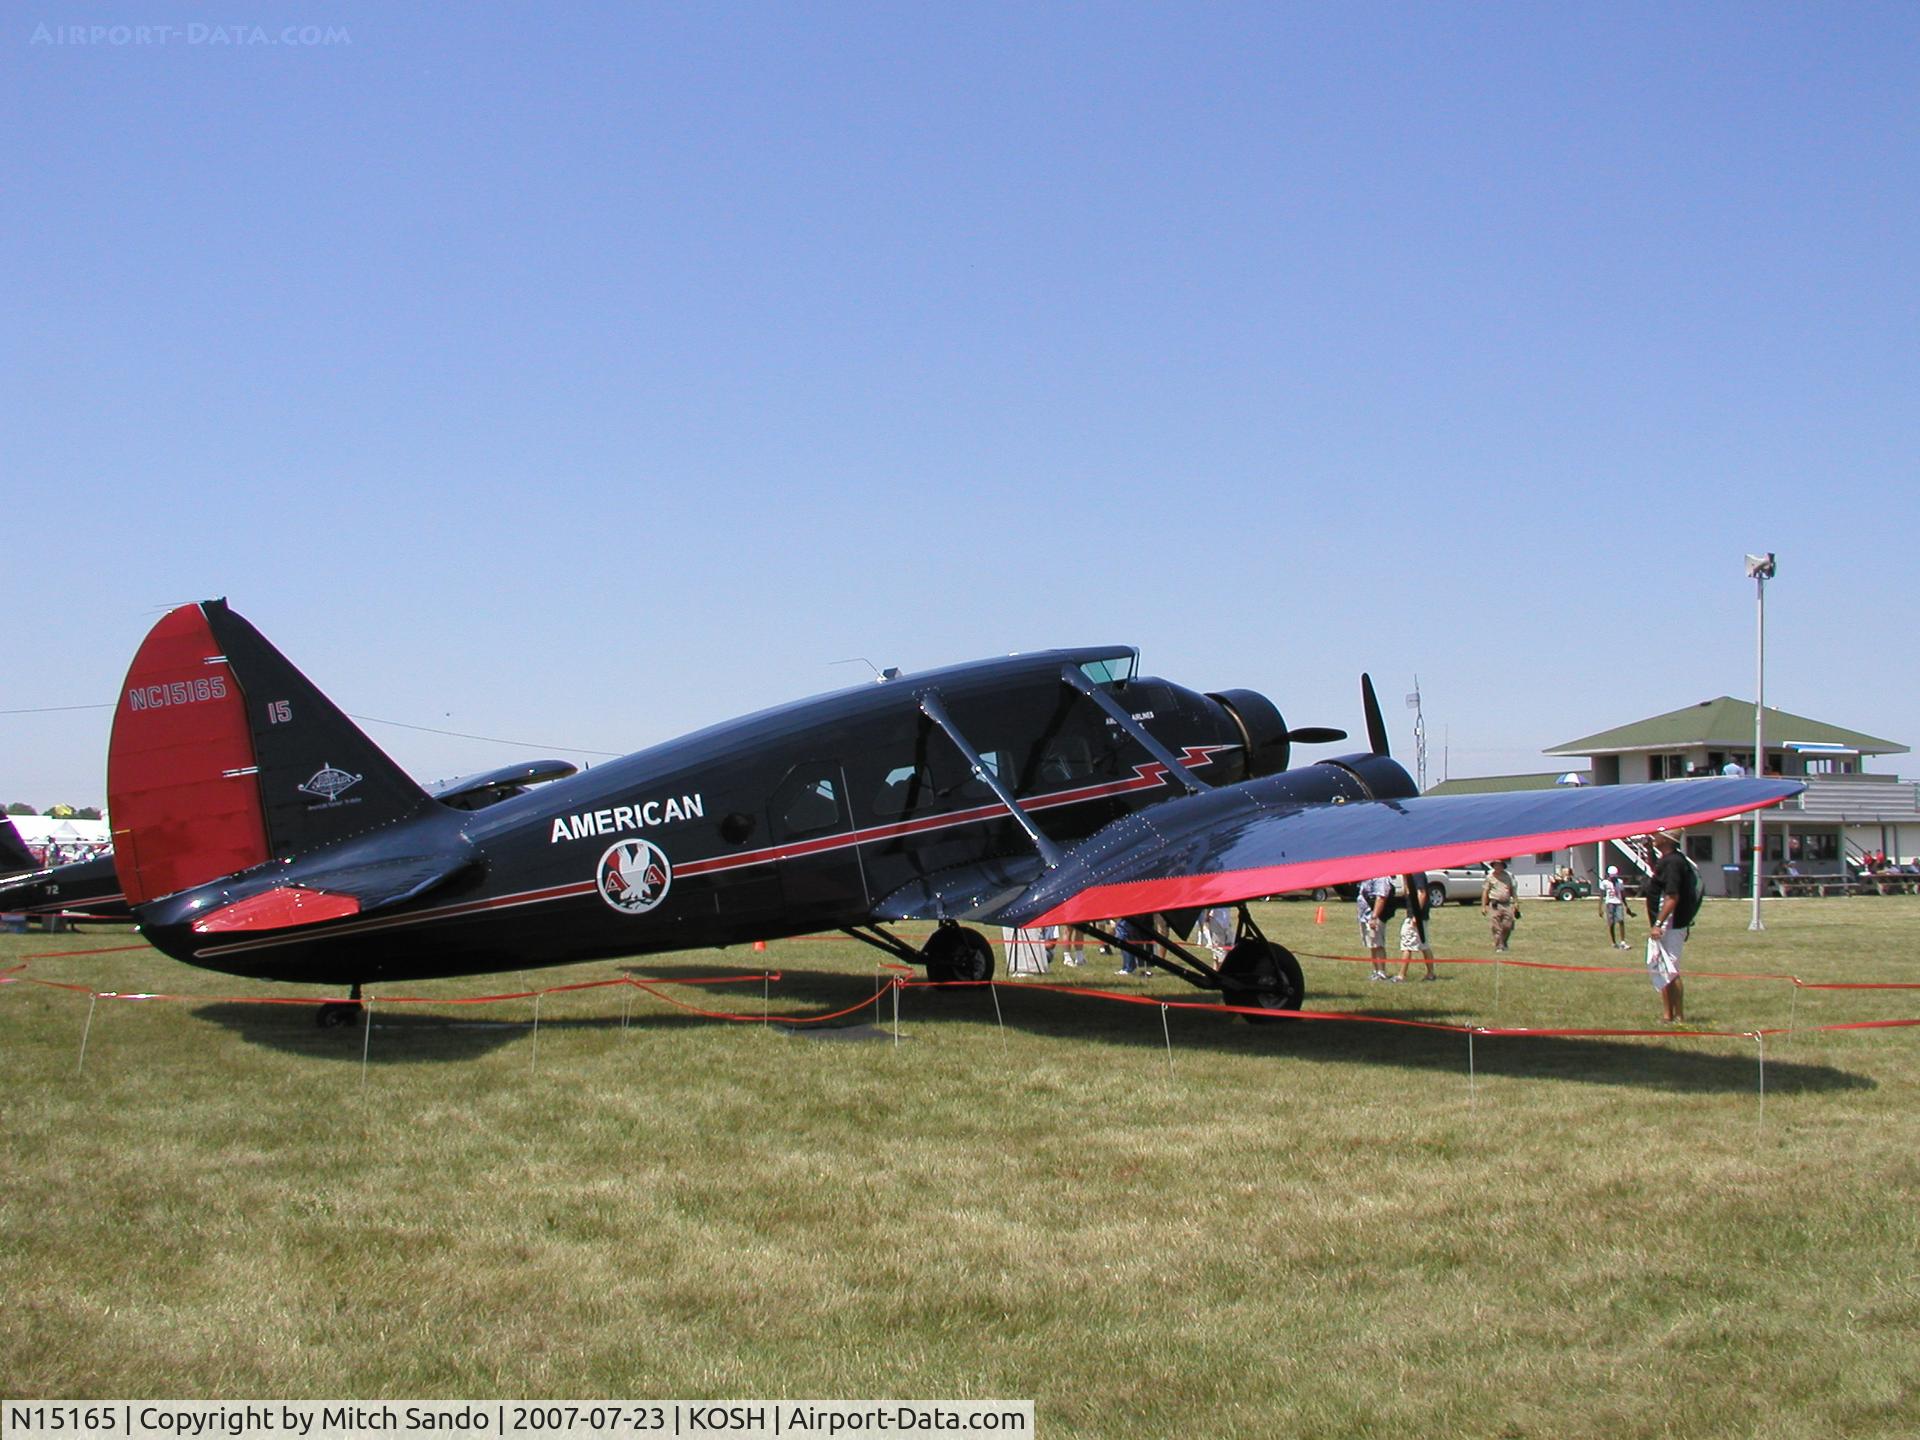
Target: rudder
[224,756]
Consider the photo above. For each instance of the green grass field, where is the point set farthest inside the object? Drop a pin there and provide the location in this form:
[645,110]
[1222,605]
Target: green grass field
[1313,1229]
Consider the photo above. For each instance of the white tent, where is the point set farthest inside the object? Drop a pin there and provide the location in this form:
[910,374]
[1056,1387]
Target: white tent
[42,830]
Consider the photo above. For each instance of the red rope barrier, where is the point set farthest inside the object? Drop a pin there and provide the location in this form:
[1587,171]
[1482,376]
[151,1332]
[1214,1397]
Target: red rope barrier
[64,954]
[766,1019]
[658,986]
[1352,1017]
[1509,961]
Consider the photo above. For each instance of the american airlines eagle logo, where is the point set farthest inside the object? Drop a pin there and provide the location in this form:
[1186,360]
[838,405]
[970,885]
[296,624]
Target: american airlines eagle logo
[634,876]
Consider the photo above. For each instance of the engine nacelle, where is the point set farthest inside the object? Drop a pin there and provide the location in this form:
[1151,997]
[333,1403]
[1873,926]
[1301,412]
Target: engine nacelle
[1268,745]
[1381,776]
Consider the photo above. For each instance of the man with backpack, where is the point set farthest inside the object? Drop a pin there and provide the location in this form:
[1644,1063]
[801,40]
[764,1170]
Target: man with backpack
[1673,899]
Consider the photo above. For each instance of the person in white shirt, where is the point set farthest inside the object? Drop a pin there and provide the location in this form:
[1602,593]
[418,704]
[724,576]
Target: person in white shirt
[1614,908]
[1371,907]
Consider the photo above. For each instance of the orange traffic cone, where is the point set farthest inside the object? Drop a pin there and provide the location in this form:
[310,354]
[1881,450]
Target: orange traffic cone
[1320,915]
[759,947]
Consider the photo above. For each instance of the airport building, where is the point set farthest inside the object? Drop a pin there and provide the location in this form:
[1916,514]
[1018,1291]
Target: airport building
[1818,838]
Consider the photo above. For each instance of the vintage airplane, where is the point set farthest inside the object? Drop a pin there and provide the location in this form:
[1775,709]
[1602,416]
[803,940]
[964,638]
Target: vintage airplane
[258,831]
[87,888]
[79,889]
[15,857]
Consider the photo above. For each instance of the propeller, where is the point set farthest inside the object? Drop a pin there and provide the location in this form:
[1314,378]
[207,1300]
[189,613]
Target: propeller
[1376,725]
[1314,735]
[1377,739]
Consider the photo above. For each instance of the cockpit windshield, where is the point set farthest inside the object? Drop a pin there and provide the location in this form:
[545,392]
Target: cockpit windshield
[1111,669]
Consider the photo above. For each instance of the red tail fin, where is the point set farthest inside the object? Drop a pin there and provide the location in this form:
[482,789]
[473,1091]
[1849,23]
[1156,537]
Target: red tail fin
[224,754]
[180,767]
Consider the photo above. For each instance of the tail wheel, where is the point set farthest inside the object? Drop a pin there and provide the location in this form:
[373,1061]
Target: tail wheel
[954,952]
[1257,974]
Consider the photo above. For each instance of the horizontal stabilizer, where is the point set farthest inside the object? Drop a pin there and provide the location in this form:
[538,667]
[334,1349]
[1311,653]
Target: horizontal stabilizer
[1255,838]
[281,908]
[310,894]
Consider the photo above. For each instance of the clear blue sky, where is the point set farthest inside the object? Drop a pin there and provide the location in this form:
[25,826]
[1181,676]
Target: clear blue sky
[583,379]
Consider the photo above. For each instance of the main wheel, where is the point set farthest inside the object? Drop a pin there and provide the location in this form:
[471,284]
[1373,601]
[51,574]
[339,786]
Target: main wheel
[336,1013]
[954,952]
[1260,975]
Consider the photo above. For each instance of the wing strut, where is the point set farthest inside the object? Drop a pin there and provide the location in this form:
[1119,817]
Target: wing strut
[1176,771]
[931,707]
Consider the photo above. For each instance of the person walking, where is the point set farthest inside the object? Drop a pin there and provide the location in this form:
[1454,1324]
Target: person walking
[1371,905]
[1137,950]
[1614,908]
[1068,947]
[1673,899]
[1415,939]
[1500,903]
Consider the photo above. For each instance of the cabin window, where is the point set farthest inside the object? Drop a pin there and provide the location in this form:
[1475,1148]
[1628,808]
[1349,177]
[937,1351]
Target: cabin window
[972,790]
[1065,759]
[905,789]
[807,802]
[909,789]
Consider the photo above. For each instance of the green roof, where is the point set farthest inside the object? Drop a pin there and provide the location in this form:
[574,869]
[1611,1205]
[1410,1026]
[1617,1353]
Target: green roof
[1497,784]
[1723,724]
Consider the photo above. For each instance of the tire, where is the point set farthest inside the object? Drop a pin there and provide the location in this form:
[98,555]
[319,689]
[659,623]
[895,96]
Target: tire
[1321,895]
[1258,974]
[1565,892]
[954,952]
[1436,895]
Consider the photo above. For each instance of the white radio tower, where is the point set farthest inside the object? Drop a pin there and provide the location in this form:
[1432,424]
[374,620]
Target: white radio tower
[1419,736]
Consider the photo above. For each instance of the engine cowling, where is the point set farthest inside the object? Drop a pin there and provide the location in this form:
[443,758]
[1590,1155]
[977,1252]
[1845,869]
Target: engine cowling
[1269,746]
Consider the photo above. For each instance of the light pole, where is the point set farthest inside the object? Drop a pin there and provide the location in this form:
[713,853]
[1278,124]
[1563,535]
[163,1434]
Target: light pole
[1760,569]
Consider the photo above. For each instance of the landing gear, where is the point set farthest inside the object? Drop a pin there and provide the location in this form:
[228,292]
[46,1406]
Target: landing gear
[335,1013]
[954,952]
[1259,974]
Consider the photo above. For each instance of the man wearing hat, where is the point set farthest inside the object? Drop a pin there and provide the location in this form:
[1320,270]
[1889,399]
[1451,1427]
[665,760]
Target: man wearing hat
[1614,908]
[1673,898]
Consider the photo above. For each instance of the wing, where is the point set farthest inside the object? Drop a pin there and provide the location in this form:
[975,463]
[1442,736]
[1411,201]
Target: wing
[961,892]
[1253,839]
